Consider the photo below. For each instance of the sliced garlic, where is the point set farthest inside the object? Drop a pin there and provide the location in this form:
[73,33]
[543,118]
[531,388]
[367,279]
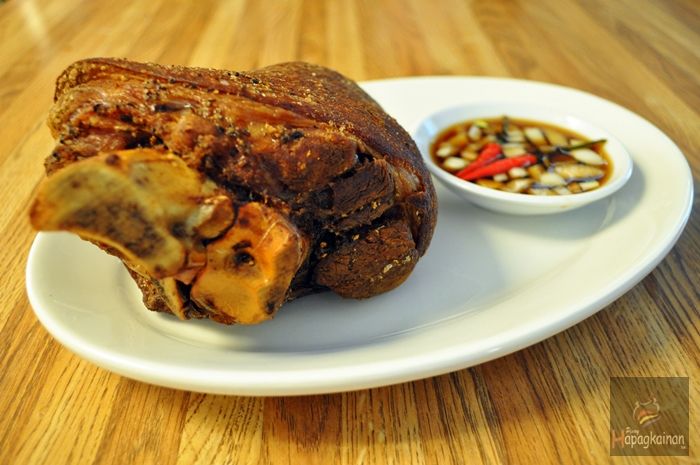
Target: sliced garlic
[446,150]
[551,180]
[535,135]
[490,183]
[578,171]
[474,132]
[515,135]
[588,157]
[518,185]
[458,140]
[555,138]
[513,150]
[589,185]
[517,172]
[539,191]
[454,164]
[468,155]
[575,187]
[535,171]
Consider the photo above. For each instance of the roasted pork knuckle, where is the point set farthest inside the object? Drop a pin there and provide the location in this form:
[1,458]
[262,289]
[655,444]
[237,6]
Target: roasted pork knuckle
[227,194]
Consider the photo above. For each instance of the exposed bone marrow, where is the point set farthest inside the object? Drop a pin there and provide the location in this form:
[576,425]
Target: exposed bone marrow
[250,268]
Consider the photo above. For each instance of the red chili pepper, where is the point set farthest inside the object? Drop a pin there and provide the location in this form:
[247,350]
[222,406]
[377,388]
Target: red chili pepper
[489,153]
[500,166]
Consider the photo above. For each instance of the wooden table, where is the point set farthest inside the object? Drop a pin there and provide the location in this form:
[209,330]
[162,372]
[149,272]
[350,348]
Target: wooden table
[545,404]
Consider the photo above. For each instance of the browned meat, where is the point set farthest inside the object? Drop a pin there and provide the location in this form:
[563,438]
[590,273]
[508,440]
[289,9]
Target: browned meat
[227,194]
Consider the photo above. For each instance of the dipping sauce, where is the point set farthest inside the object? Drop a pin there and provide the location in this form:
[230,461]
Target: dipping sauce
[522,156]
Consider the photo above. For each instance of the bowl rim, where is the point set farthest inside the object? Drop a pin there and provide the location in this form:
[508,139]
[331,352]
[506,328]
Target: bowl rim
[622,164]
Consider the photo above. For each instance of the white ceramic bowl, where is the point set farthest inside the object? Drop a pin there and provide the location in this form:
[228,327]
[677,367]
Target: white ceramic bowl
[513,203]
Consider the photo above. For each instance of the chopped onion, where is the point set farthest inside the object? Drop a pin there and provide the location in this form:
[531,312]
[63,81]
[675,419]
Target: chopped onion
[589,185]
[539,191]
[468,155]
[502,177]
[515,135]
[454,164]
[551,180]
[555,138]
[459,140]
[474,132]
[489,183]
[517,172]
[578,171]
[513,150]
[588,157]
[575,187]
[562,190]
[535,171]
[518,185]
[446,150]
[535,136]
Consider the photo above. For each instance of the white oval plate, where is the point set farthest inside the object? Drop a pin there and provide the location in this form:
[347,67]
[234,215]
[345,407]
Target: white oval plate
[489,285]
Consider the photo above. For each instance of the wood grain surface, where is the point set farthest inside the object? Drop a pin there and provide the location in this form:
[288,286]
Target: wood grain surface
[544,404]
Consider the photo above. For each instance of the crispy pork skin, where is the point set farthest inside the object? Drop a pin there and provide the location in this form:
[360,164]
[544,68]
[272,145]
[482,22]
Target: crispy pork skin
[227,194]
